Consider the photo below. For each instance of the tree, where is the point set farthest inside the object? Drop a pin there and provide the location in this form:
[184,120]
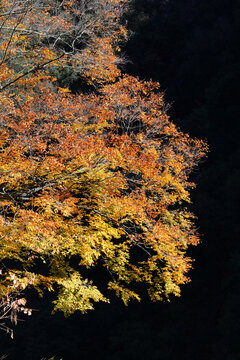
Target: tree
[95,180]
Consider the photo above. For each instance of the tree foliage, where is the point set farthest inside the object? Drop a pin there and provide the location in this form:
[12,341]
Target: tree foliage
[78,36]
[98,180]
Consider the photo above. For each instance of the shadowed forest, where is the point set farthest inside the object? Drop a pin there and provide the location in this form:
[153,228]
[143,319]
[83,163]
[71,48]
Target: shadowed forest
[191,48]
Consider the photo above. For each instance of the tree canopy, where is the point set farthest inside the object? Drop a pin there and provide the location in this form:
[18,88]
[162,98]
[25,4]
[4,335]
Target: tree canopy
[88,180]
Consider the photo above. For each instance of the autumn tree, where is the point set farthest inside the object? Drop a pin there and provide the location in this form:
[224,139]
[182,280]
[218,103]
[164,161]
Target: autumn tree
[97,180]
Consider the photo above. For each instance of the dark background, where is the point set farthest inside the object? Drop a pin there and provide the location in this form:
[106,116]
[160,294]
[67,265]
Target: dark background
[190,47]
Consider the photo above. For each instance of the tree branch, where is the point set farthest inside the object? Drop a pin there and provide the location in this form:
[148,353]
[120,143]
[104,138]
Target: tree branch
[32,70]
